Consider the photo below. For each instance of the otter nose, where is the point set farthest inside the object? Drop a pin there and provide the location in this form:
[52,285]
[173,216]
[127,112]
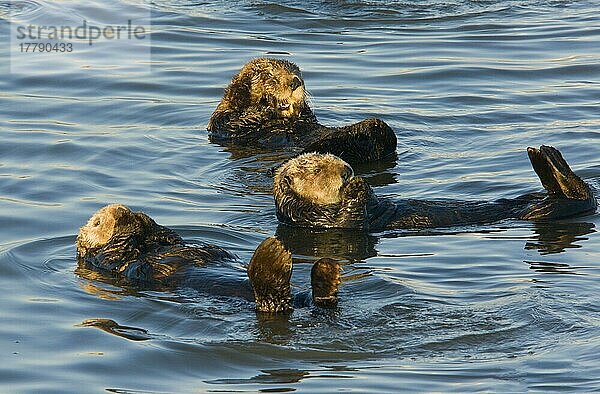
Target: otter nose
[296,83]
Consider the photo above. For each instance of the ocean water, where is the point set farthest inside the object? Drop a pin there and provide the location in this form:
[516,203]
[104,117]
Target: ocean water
[466,85]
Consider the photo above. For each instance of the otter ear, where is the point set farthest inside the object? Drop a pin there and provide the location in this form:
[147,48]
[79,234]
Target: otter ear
[144,220]
[123,217]
[118,214]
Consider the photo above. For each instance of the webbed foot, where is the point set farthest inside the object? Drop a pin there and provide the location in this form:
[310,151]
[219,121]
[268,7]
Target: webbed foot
[270,270]
[366,141]
[568,194]
[325,278]
[556,175]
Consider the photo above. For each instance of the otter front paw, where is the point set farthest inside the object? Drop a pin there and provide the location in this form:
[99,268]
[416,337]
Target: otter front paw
[356,189]
[355,197]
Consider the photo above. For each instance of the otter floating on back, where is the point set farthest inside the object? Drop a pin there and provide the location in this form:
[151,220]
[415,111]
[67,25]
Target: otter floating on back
[132,245]
[316,190]
[266,105]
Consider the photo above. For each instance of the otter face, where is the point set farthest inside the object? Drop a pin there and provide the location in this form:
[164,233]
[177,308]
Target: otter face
[319,178]
[101,227]
[276,85]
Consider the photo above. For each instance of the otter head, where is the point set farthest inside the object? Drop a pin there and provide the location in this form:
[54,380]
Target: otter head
[108,222]
[268,84]
[320,190]
[318,178]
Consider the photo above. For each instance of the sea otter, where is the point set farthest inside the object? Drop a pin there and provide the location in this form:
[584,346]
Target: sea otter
[132,245]
[265,105]
[320,190]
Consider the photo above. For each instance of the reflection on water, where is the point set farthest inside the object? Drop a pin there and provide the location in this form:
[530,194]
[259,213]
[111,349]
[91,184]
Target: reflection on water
[552,268]
[556,237]
[274,328]
[274,376]
[239,152]
[281,376]
[551,238]
[111,327]
[312,244]
[254,169]
[103,285]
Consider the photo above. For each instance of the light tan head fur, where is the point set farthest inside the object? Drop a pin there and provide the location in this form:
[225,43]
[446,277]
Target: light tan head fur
[101,226]
[317,177]
[267,83]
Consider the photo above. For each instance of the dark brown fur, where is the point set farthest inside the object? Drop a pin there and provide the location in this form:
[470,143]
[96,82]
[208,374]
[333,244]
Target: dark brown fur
[325,279]
[266,105]
[130,244]
[358,207]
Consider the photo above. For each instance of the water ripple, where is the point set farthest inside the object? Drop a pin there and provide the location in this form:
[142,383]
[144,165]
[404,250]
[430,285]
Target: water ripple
[466,85]
[18,8]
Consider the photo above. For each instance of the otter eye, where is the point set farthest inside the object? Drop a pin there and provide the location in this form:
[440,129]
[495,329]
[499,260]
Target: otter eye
[97,223]
[288,179]
[296,83]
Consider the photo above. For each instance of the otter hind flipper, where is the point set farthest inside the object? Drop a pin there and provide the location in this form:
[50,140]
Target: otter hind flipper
[270,270]
[568,194]
[556,175]
[325,279]
[368,140]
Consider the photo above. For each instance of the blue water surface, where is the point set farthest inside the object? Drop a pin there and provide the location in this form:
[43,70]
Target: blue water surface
[466,85]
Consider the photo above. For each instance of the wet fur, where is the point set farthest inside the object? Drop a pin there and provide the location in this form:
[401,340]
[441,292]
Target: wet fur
[132,245]
[325,279]
[300,182]
[270,270]
[253,100]
[358,207]
[250,113]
